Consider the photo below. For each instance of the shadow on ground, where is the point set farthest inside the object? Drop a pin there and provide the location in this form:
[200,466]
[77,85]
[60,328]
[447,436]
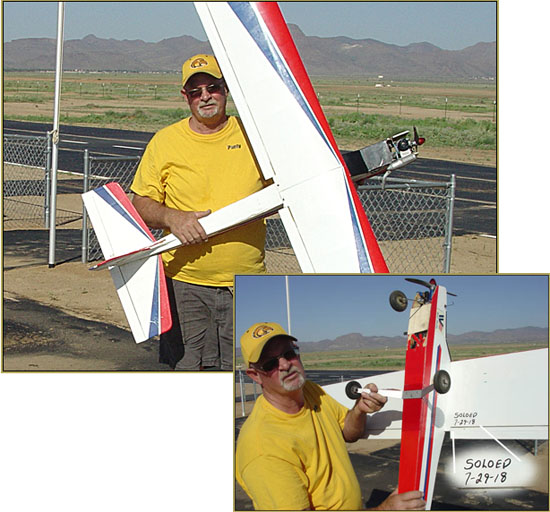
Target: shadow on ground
[32,246]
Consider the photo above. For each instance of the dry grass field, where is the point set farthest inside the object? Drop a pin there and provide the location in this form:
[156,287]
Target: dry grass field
[377,359]
[147,102]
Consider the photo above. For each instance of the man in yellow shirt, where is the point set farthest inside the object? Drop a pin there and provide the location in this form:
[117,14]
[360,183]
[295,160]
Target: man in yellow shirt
[291,452]
[189,169]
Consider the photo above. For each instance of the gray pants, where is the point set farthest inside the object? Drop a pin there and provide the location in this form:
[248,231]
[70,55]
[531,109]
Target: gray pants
[206,321]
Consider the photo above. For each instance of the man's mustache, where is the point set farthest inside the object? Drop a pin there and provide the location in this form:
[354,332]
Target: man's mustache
[286,373]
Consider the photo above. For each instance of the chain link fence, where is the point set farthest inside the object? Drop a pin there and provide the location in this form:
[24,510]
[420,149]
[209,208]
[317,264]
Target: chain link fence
[27,177]
[412,220]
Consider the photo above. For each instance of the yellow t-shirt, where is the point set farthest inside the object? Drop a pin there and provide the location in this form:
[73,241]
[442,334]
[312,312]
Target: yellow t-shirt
[193,172]
[297,461]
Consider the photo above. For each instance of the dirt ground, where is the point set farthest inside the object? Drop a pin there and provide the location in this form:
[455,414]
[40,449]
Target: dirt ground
[74,289]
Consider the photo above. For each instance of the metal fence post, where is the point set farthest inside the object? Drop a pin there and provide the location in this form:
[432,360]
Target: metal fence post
[48,177]
[84,213]
[448,245]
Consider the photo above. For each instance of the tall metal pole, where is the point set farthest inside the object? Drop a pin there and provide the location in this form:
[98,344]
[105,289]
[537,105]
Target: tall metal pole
[287,305]
[55,131]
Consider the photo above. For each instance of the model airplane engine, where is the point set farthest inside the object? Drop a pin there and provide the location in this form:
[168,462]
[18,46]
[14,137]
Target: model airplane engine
[384,156]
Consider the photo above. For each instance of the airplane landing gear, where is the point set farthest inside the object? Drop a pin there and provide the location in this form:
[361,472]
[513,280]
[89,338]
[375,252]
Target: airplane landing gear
[352,390]
[398,301]
[442,382]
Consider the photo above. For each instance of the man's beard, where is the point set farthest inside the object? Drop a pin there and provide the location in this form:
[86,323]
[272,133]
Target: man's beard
[207,114]
[296,383]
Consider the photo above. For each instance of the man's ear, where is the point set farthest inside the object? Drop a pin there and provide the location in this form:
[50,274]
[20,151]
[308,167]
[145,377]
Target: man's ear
[254,375]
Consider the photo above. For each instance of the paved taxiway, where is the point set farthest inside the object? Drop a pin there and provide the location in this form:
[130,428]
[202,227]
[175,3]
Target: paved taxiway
[475,201]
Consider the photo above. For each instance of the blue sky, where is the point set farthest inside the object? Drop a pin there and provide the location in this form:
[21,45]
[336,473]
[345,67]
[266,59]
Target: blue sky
[324,307]
[449,25]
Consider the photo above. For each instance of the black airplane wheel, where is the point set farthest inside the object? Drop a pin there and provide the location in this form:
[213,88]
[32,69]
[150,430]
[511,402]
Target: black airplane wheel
[398,300]
[352,390]
[442,382]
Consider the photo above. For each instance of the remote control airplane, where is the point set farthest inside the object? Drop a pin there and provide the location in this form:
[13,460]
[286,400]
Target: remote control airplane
[311,188]
[503,396]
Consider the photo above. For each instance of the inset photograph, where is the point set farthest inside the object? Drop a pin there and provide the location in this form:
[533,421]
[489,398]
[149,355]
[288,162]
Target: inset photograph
[400,392]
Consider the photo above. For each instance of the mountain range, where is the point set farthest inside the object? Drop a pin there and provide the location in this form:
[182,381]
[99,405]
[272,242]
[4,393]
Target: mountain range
[322,56]
[355,341]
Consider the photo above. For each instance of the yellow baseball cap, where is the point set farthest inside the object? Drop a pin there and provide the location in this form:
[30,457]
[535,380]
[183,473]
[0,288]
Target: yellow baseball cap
[255,338]
[201,63]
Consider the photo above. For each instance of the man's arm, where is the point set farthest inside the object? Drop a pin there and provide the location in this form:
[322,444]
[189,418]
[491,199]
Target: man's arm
[354,424]
[184,225]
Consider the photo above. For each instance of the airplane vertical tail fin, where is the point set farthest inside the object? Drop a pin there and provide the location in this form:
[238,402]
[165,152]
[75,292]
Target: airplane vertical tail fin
[141,288]
[140,284]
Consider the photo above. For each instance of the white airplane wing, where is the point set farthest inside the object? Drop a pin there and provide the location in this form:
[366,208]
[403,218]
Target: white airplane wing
[505,394]
[480,396]
[290,136]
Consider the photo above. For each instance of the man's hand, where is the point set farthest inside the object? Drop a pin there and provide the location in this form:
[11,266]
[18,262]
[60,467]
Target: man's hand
[371,402]
[354,424]
[411,500]
[186,226]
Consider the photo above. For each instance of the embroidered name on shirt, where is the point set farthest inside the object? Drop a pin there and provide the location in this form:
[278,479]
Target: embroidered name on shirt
[233,146]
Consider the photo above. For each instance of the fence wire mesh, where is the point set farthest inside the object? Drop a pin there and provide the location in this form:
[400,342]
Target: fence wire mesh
[412,221]
[24,181]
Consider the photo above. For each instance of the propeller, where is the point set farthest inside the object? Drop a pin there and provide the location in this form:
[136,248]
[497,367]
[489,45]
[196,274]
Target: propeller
[420,282]
[418,140]
[431,285]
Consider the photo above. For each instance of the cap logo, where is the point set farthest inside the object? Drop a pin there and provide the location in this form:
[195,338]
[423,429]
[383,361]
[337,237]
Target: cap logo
[198,63]
[261,331]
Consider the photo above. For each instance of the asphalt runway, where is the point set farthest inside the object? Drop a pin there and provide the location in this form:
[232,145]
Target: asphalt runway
[475,209]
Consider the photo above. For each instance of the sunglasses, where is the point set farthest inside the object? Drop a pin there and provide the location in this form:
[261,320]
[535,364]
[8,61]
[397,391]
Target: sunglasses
[273,363]
[211,89]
